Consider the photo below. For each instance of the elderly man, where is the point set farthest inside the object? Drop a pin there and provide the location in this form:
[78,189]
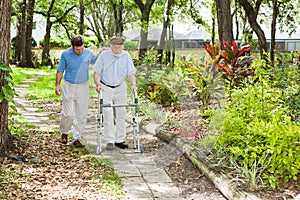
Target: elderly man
[111,69]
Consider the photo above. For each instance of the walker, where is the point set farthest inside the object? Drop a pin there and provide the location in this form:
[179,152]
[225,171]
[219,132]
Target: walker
[135,121]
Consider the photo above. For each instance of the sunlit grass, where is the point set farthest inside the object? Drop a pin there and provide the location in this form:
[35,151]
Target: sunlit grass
[43,88]
[20,73]
[112,184]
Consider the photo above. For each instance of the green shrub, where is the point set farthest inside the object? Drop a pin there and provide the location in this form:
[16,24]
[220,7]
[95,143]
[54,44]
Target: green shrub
[259,136]
[287,79]
[131,45]
[65,42]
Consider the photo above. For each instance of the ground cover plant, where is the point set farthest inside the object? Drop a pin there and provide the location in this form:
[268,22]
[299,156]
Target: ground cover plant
[254,125]
[258,137]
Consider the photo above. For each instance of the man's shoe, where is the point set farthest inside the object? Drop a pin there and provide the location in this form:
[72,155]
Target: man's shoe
[109,146]
[64,138]
[121,145]
[78,144]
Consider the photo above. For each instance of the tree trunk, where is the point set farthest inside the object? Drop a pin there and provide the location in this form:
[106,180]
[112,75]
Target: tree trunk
[224,18]
[118,17]
[121,23]
[213,29]
[30,10]
[166,23]
[5,136]
[143,41]
[23,35]
[46,60]
[251,14]
[145,14]
[172,45]
[17,41]
[81,22]
[273,31]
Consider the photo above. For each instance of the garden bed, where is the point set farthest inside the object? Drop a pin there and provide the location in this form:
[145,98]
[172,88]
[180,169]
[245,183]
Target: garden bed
[225,180]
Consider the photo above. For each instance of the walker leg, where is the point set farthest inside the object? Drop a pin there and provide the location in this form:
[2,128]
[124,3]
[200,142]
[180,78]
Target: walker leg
[99,124]
[99,133]
[136,141]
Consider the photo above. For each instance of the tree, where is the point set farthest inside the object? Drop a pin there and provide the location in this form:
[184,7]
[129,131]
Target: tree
[54,12]
[5,15]
[252,13]
[118,16]
[224,18]
[283,14]
[166,25]
[23,42]
[28,51]
[81,17]
[22,34]
[101,20]
[273,30]
[145,9]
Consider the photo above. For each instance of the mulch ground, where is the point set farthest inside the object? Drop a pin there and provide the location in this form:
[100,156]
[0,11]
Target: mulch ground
[42,168]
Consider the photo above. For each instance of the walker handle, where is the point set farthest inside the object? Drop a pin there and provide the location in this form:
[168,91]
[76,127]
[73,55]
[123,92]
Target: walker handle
[100,100]
[134,97]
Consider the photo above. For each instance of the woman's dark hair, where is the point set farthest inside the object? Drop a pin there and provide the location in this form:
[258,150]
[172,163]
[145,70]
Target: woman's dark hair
[77,40]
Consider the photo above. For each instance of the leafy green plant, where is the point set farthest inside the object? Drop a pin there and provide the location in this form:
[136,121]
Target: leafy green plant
[178,83]
[258,135]
[150,84]
[131,45]
[7,91]
[151,112]
[287,80]
[206,85]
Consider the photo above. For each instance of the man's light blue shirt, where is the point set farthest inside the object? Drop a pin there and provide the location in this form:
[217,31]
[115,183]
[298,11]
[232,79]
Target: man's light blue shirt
[76,67]
[114,70]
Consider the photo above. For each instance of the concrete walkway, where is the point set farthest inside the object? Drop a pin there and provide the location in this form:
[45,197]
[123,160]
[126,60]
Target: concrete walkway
[142,178]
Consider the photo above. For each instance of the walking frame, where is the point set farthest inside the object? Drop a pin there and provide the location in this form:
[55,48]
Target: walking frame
[135,121]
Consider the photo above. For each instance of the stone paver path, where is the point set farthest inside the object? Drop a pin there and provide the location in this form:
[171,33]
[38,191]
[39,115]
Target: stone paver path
[143,179]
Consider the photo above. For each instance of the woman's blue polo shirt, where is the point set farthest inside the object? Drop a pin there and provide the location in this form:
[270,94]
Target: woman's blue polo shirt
[76,67]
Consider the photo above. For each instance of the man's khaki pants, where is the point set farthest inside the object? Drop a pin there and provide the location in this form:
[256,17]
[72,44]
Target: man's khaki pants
[75,102]
[114,123]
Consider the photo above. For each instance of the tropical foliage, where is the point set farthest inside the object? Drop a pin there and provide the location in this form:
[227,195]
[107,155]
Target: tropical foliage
[256,119]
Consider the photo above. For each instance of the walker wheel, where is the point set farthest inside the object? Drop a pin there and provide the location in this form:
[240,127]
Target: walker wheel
[141,148]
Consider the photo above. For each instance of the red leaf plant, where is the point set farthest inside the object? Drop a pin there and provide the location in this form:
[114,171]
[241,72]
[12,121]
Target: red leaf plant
[231,60]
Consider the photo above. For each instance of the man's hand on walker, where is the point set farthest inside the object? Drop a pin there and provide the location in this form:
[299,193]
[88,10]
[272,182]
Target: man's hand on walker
[98,87]
[133,88]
